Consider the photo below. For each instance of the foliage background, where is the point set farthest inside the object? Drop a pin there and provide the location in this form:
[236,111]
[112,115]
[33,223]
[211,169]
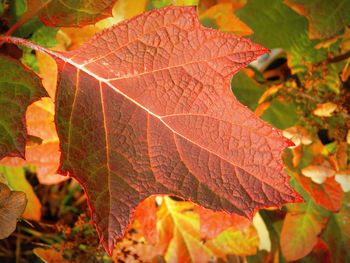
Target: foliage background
[302,87]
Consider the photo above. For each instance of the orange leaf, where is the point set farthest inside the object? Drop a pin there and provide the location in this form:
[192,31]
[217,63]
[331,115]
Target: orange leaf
[224,17]
[146,214]
[213,223]
[329,194]
[300,231]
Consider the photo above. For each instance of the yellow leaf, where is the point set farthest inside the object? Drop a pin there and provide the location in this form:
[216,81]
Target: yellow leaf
[223,15]
[233,242]
[129,8]
[270,91]
[262,108]
[178,226]
[263,233]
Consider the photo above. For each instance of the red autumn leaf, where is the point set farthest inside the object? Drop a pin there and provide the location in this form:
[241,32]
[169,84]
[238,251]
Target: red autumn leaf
[321,252]
[145,108]
[329,194]
[213,223]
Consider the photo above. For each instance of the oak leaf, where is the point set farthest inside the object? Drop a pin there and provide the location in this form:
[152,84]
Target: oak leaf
[326,18]
[145,108]
[40,123]
[19,87]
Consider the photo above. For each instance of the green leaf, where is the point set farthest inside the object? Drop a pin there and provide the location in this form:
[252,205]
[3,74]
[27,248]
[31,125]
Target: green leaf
[326,18]
[152,4]
[44,36]
[337,233]
[19,87]
[17,10]
[1,8]
[247,90]
[281,114]
[301,227]
[278,26]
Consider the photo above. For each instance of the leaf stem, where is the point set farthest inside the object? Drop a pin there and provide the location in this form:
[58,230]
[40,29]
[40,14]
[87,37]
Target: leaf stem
[339,58]
[27,16]
[27,43]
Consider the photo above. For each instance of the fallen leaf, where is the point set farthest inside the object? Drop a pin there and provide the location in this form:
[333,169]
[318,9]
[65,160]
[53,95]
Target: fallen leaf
[12,205]
[325,109]
[19,87]
[145,108]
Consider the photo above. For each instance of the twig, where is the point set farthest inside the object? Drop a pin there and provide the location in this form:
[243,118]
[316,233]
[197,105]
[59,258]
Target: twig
[339,58]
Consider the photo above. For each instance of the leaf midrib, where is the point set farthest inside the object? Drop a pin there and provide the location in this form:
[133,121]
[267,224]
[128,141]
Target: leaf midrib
[106,81]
